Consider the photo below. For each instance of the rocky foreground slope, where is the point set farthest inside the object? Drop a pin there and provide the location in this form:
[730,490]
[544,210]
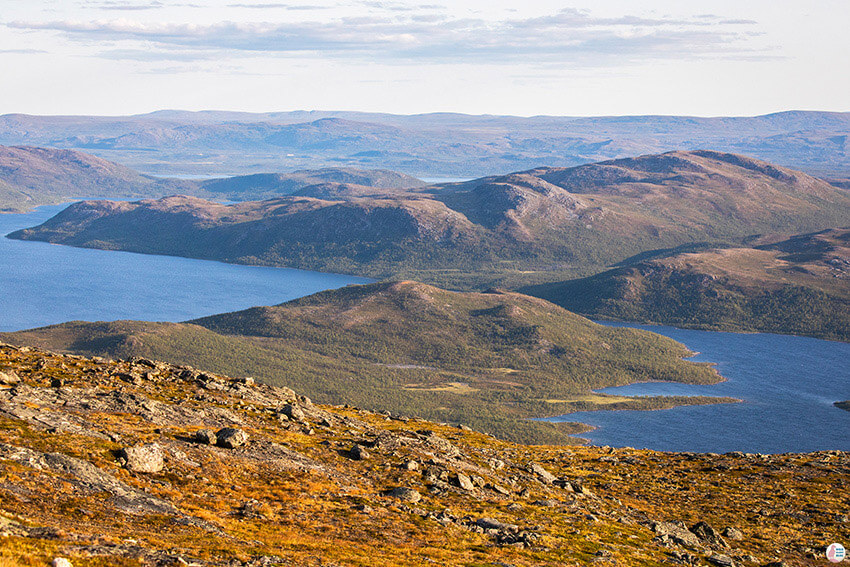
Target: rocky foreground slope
[138,462]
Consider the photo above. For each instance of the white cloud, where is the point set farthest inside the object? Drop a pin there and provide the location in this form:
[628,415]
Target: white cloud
[568,36]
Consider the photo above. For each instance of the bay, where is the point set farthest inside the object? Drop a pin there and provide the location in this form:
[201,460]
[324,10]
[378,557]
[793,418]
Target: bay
[788,385]
[43,284]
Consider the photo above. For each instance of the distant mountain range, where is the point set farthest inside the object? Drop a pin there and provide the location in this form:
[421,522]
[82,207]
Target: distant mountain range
[541,225]
[31,176]
[429,145]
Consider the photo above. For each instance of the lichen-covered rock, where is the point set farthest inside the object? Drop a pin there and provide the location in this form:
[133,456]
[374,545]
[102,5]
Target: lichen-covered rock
[359,453]
[9,378]
[406,494]
[464,482]
[677,533]
[143,458]
[707,534]
[230,437]
[293,412]
[206,437]
[544,475]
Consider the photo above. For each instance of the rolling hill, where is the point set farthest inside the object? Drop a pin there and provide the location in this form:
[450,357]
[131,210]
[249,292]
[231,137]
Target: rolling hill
[489,360]
[32,176]
[799,285]
[545,224]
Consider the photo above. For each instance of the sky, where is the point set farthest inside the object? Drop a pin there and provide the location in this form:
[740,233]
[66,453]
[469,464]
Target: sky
[605,57]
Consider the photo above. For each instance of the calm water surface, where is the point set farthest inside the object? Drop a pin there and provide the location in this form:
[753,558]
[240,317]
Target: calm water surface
[42,284]
[788,385]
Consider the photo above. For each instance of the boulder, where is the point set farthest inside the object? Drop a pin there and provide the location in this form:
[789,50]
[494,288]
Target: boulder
[544,475]
[733,534]
[707,535]
[293,412]
[721,560]
[230,437]
[464,482]
[206,437]
[9,378]
[677,533]
[143,458]
[359,453]
[491,524]
[406,494]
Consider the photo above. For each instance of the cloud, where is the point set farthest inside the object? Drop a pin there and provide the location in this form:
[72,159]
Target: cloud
[279,6]
[566,37]
[23,51]
[115,5]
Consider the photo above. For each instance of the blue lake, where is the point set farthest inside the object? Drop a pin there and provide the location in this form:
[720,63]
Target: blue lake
[788,385]
[42,284]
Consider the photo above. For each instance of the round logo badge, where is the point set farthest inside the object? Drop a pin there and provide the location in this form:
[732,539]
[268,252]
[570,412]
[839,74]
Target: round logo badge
[836,553]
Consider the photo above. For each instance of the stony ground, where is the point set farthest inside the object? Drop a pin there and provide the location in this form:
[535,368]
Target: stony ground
[144,463]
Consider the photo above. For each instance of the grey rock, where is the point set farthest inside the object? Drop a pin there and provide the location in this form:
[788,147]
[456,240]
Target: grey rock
[677,533]
[230,438]
[544,475]
[491,524]
[721,560]
[206,437]
[9,378]
[143,458]
[733,534]
[89,479]
[464,482]
[359,453]
[406,494]
[707,534]
[293,412]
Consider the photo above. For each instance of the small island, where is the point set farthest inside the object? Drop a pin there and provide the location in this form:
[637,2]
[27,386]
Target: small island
[845,405]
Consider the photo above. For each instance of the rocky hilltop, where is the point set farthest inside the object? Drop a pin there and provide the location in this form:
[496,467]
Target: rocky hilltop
[528,227]
[140,462]
[799,285]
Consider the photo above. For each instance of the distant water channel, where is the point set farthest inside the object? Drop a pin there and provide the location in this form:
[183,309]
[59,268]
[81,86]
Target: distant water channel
[42,284]
[788,385]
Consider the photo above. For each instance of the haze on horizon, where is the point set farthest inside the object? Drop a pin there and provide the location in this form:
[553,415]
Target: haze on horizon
[609,57]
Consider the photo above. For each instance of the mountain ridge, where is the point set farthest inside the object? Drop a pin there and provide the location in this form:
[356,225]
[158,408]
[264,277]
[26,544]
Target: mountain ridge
[429,145]
[799,285]
[499,230]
